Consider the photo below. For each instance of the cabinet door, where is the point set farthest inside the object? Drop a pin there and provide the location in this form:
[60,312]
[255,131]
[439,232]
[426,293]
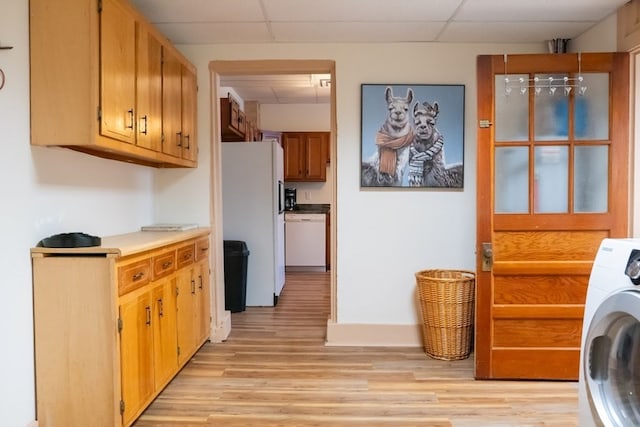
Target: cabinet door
[293,156]
[117,68]
[165,335]
[136,354]
[203,305]
[189,97]
[316,157]
[186,294]
[148,89]
[171,104]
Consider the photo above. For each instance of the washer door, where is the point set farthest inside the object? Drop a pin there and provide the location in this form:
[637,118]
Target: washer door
[612,361]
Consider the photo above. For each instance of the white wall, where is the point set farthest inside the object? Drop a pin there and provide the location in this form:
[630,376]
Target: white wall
[384,237]
[599,38]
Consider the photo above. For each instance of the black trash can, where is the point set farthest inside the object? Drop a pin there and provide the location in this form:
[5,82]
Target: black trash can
[236,256]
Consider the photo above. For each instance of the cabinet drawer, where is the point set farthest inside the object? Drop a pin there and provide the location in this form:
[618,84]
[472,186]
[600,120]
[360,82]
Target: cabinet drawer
[164,264]
[133,276]
[202,249]
[186,255]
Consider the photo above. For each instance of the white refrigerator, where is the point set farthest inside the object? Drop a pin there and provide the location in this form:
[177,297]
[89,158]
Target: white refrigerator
[253,212]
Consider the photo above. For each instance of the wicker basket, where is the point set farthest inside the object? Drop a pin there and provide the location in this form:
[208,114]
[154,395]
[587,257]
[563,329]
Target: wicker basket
[446,302]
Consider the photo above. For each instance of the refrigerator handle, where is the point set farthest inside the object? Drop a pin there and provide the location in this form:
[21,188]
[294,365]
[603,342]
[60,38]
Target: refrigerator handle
[280,197]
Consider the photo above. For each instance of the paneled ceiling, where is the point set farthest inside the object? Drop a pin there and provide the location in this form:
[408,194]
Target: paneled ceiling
[364,21]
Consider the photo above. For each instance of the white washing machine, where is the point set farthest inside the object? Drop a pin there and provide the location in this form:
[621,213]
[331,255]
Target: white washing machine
[609,385]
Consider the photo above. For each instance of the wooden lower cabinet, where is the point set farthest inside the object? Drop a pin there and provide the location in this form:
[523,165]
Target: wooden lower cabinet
[115,323]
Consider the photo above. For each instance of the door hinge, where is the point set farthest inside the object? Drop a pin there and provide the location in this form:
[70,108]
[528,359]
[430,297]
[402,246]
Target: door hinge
[99,113]
[178,350]
[119,325]
[121,407]
[485,123]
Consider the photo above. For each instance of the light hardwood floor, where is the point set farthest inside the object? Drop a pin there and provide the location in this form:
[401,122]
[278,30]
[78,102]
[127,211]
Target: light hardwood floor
[275,370]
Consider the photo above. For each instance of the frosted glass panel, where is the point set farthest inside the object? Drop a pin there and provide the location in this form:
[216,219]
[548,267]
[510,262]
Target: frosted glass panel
[512,180]
[551,171]
[512,111]
[591,116]
[551,110]
[591,178]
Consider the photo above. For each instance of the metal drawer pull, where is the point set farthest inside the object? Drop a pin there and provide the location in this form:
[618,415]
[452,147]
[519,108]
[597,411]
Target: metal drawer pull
[166,264]
[138,276]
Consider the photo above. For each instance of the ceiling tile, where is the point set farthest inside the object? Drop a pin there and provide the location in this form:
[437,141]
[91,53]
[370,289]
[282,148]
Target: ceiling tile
[198,33]
[359,10]
[537,10]
[200,10]
[355,32]
[509,32]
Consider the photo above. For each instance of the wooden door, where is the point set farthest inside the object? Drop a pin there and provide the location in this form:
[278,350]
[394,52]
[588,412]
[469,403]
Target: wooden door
[186,291]
[165,336]
[189,95]
[148,89]
[316,155]
[293,156]
[117,72]
[552,183]
[203,308]
[171,104]
[136,354]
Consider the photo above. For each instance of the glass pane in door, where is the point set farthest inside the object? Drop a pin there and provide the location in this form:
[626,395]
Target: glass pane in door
[512,109]
[591,183]
[512,180]
[551,109]
[591,114]
[551,172]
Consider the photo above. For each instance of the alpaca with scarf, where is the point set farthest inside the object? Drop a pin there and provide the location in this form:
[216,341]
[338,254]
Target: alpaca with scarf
[388,165]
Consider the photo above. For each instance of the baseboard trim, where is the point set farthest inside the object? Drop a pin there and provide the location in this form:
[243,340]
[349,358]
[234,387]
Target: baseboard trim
[33,423]
[222,331]
[373,335]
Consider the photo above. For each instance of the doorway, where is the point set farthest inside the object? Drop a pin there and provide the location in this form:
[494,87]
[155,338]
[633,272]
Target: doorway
[262,67]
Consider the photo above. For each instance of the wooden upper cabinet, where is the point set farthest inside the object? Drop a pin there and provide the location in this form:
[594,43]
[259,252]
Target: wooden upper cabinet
[118,82]
[171,104]
[189,108]
[96,82]
[231,120]
[148,89]
[305,156]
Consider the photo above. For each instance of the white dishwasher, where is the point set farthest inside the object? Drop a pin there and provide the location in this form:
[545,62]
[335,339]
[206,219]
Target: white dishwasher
[305,243]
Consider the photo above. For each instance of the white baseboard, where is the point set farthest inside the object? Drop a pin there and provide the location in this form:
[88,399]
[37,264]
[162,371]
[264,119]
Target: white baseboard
[33,423]
[371,335]
[222,331]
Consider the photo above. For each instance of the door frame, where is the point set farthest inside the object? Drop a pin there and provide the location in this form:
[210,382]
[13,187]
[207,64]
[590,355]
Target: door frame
[221,319]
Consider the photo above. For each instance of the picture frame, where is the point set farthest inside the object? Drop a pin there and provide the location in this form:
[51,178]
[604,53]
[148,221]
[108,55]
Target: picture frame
[406,130]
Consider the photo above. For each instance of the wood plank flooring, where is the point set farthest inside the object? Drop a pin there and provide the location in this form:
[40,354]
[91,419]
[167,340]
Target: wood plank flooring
[275,370]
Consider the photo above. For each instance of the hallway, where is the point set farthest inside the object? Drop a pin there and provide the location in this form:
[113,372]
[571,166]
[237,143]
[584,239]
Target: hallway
[274,370]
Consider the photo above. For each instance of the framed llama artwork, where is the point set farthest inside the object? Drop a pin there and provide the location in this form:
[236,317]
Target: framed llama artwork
[412,136]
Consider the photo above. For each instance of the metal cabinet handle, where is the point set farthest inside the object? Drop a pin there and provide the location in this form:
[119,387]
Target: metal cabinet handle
[200,277]
[131,119]
[179,135]
[160,308]
[144,120]
[193,286]
[186,138]
[148,309]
